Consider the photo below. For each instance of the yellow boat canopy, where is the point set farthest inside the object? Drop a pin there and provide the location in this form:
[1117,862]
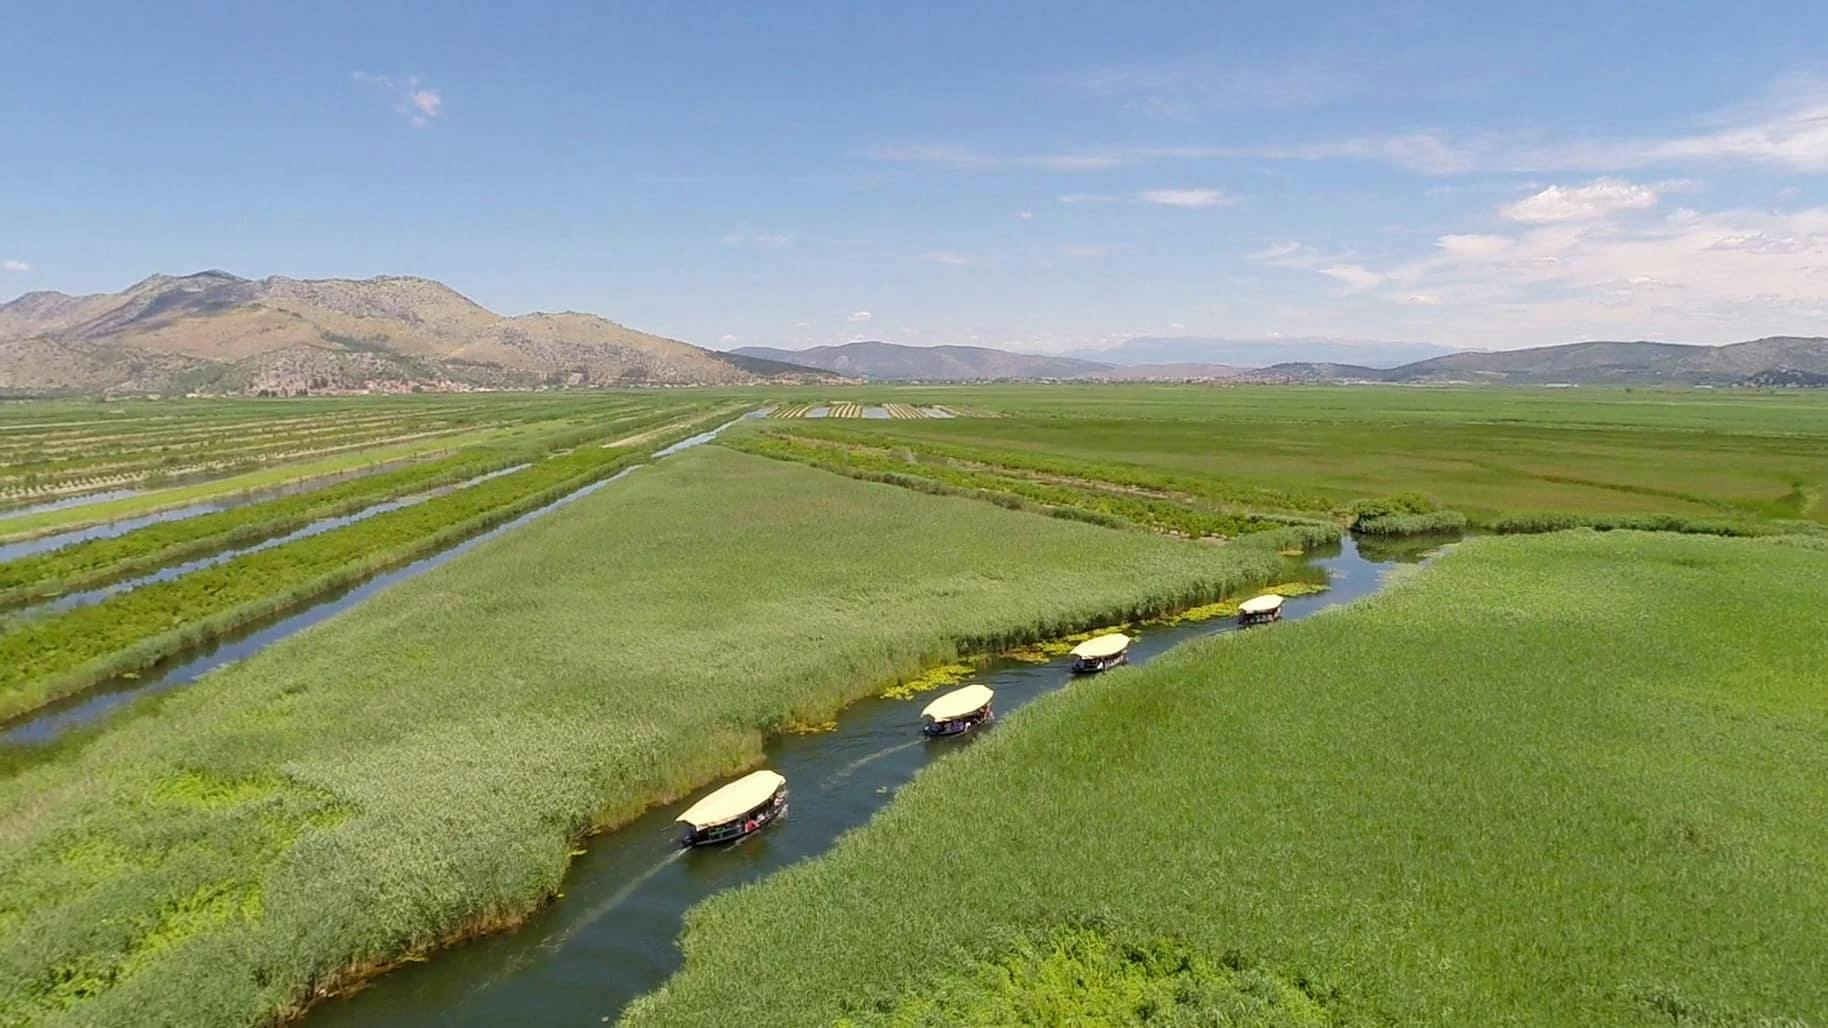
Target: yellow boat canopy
[958,703]
[1261,604]
[733,800]
[1103,646]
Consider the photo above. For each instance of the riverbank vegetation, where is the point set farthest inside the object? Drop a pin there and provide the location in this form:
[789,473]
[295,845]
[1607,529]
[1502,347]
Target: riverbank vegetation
[423,765]
[1562,779]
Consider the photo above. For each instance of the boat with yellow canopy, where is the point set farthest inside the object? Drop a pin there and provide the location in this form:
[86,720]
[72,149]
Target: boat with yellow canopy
[1101,653]
[958,711]
[737,810]
[1260,610]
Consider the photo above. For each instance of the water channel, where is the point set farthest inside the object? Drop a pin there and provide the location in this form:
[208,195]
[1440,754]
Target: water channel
[612,937]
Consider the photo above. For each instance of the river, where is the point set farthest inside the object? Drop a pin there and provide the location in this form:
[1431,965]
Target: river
[613,935]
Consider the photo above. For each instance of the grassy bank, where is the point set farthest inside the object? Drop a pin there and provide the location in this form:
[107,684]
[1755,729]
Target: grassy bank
[422,765]
[1571,779]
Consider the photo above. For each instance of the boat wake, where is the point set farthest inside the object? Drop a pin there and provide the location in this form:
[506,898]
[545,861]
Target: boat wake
[609,903]
[849,769]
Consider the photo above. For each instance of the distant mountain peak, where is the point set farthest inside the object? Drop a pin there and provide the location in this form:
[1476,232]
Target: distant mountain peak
[221,332]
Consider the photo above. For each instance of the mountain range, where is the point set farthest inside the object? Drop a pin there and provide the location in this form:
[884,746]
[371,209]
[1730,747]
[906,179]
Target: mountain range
[1773,361]
[1256,353]
[216,332]
[1787,360]
[893,361]
[213,332]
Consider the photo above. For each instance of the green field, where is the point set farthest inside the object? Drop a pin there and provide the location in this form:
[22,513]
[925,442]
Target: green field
[1484,452]
[1574,779]
[421,765]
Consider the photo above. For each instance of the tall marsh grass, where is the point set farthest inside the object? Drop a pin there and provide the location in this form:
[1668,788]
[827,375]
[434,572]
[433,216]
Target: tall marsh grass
[422,765]
[1569,779]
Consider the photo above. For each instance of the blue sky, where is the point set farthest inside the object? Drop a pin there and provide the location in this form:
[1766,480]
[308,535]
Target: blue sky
[1040,176]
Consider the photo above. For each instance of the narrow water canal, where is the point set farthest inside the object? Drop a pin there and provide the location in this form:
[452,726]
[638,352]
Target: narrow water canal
[612,937]
[46,724]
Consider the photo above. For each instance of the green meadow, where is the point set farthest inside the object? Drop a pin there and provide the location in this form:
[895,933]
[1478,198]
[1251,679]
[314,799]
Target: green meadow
[1483,452]
[1565,779]
[420,767]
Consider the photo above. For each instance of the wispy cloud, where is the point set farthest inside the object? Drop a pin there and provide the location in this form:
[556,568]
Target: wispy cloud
[418,103]
[948,257]
[760,240]
[1596,199]
[1085,250]
[1186,197]
[14,265]
[859,317]
[1355,277]
[1786,129]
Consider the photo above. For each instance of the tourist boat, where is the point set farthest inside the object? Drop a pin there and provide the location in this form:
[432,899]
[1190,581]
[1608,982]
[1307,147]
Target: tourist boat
[1101,653]
[736,811]
[1260,610]
[960,710]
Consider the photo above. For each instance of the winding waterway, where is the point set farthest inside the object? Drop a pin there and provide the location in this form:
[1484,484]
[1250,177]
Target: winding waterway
[613,935]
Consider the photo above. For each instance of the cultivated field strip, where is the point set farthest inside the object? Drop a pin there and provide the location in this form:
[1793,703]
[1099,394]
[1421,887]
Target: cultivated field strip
[516,428]
[64,651]
[852,409]
[154,461]
[70,600]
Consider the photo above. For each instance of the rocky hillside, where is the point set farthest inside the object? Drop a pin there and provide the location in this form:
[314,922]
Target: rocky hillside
[216,332]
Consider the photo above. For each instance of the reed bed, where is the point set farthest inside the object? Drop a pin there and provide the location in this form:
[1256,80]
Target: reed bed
[422,766]
[1727,455]
[1570,779]
[1082,500]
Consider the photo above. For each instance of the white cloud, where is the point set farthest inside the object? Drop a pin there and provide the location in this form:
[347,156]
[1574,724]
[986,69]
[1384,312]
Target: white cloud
[1185,197]
[1423,299]
[418,103]
[1596,199]
[1025,215]
[1356,277]
[760,240]
[14,265]
[861,316]
[727,338]
[1085,250]
[947,257]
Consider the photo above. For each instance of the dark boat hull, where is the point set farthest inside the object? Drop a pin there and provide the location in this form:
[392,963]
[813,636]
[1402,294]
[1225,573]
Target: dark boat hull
[1085,666]
[958,725]
[1248,620]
